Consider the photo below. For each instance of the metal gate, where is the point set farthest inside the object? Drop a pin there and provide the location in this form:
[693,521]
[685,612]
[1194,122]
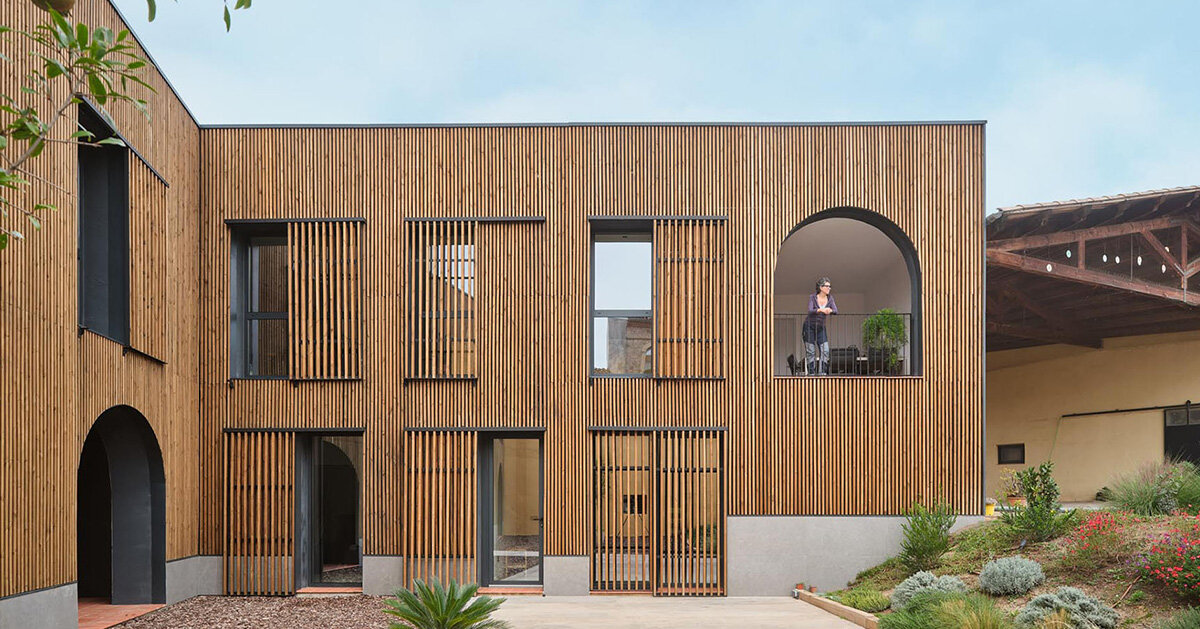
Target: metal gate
[658,510]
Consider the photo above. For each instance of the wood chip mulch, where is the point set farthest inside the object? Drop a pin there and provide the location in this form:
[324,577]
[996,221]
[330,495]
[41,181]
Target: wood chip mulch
[235,612]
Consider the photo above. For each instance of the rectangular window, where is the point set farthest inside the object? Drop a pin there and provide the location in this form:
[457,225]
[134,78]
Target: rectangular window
[1182,415]
[259,302]
[622,297]
[1011,454]
[103,232]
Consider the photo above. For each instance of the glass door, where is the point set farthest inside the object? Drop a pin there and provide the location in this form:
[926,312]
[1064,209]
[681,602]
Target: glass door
[511,510]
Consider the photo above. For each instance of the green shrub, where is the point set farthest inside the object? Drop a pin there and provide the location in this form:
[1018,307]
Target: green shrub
[1153,489]
[1040,519]
[947,610]
[1186,619]
[1085,611]
[438,607]
[926,536]
[1010,575]
[924,582]
[867,600]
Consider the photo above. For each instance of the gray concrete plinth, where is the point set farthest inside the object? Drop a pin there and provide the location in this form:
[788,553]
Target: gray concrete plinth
[769,555]
[193,576]
[566,576]
[382,574]
[51,608]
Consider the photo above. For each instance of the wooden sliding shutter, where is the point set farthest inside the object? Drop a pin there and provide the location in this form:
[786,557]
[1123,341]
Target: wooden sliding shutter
[149,273]
[260,498]
[658,518]
[691,514]
[689,310]
[441,486]
[443,322]
[324,300]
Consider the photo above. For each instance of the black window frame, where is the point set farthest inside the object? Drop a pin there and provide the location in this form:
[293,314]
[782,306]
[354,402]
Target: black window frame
[630,230]
[103,258]
[1000,454]
[244,239]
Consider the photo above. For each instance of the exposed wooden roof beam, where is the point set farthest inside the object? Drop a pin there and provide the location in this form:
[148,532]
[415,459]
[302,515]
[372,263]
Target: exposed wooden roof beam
[1046,336]
[1055,319]
[1009,260]
[1090,233]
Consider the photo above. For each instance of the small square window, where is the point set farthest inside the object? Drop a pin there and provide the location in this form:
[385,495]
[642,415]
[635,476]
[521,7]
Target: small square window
[1011,454]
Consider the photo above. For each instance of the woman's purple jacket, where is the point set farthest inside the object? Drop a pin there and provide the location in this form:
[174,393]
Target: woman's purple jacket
[817,319]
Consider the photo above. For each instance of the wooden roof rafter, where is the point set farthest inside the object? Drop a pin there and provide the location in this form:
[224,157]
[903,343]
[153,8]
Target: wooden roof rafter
[1083,275]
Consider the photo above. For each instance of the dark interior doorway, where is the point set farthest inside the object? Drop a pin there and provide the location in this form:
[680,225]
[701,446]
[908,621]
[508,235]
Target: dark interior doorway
[1181,433]
[121,521]
[328,510]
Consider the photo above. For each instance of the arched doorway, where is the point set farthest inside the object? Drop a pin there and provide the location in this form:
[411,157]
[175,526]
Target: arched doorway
[121,520]
[876,282]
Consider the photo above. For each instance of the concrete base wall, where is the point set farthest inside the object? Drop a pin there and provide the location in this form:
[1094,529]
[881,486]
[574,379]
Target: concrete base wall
[566,576]
[193,576]
[382,574]
[52,608]
[769,555]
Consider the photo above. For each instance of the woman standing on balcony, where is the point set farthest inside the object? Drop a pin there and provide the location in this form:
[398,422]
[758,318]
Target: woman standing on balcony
[820,306]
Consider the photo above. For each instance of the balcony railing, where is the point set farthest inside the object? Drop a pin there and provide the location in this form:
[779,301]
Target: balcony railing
[880,348]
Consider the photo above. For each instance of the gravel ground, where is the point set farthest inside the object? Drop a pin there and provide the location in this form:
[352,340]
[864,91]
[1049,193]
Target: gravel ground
[236,612]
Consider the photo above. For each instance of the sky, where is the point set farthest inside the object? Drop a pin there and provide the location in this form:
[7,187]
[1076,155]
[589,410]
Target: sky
[1081,99]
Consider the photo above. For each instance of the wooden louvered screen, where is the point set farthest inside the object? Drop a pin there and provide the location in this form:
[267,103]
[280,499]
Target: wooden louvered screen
[690,307]
[149,274]
[658,514]
[441,490]
[325,300]
[443,322]
[260,498]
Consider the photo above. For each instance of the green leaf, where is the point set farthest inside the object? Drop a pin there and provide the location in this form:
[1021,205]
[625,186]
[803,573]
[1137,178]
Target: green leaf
[96,87]
[44,206]
[113,141]
[226,18]
[33,220]
[3,240]
[16,234]
[153,7]
[3,142]
[81,35]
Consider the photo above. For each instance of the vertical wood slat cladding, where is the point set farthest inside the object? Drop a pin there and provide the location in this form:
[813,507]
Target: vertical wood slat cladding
[874,445]
[441,487]
[324,301]
[443,318]
[689,278]
[60,382]
[260,499]
[149,276]
[658,519]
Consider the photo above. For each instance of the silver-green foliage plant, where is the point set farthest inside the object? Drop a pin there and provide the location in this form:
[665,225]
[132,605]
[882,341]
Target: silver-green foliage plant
[867,600]
[926,536]
[443,607]
[1085,611]
[1186,619]
[924,582]
[1011,576]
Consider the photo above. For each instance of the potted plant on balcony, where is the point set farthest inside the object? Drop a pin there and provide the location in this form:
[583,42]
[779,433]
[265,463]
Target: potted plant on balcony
[885,333]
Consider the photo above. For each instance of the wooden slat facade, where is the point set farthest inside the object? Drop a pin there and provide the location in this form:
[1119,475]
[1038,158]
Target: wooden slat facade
[260,513]
[56,381]
[689,277]
[873,445]
[443,322]
[324,301]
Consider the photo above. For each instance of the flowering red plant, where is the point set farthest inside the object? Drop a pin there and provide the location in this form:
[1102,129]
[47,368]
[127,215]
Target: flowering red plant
[1101,538]
[1174,559]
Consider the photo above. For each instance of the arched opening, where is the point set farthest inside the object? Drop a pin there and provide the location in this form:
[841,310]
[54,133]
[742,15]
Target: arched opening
[121,520]
[340,554]
[875,282]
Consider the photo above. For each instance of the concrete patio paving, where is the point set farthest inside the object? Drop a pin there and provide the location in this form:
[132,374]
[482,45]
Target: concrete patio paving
[610,612]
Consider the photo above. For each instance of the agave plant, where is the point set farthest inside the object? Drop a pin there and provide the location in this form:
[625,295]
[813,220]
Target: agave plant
[437,607]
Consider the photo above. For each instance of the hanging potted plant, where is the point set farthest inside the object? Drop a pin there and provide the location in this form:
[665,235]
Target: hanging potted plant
[885,333]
